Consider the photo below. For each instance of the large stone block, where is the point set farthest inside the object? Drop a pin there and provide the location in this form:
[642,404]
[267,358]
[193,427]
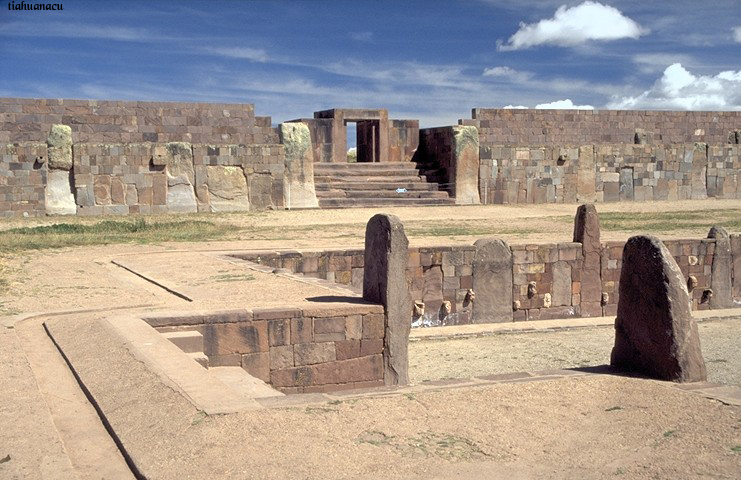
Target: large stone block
[227,188]
[492,282]
[181,195]
[466,165]
[298,178]
[655,333]
[586,175]
[59,199]
[721,279]
[59,147]
[384,282]
[235,338]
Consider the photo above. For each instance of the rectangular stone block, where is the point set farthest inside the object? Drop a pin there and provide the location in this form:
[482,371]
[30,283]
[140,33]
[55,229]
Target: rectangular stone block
[347,349]
[313,353]
[373,325]
[302,330]
[281,357]
[371,347]
[279,332]
[257,365]
[354,327]
[231,338]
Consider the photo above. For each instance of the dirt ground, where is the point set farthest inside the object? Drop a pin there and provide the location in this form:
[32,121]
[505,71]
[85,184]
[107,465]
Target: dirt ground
[618,426]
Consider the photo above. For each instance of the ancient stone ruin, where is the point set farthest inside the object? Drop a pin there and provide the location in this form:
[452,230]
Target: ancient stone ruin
[655,333]
[90,157]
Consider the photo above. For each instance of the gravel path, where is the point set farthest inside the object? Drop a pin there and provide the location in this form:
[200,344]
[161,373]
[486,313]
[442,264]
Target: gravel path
[517,352]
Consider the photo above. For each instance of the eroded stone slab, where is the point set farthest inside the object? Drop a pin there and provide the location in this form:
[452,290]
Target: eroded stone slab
[655,333]
[466,150]
[384,282]
[721,280]
[587,232]
[298,178]
[227,188]
[492,281]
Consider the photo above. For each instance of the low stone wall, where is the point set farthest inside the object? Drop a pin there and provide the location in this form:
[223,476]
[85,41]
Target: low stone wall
[22,179]
[546,278]
[295,350]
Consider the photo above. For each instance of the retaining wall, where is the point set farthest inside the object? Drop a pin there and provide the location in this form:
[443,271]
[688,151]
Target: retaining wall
[295,350]
[445,273]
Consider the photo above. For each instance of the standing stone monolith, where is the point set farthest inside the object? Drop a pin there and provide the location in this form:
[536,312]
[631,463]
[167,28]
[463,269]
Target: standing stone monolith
[384,282]
[59,198]
[587,232]
[721,277]
[655,333]
[492,281]
[466,167]
[298,178]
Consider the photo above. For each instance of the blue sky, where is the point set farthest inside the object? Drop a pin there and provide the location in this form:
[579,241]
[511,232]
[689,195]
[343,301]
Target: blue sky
[431,60]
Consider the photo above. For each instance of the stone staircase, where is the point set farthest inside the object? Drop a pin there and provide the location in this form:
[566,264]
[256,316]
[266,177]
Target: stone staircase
[345,185]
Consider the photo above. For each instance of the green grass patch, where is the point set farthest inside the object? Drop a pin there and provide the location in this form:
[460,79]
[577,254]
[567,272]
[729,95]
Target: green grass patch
[671,221]
[736,448]
[110,231]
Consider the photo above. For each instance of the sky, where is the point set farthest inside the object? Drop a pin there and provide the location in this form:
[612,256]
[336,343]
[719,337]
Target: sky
[428,60]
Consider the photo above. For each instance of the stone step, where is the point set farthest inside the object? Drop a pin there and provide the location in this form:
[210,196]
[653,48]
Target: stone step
[382,202]
[417,186]
[200,357]
[189,341]
[244,383]
[369,178]
[365,165]
[380,194]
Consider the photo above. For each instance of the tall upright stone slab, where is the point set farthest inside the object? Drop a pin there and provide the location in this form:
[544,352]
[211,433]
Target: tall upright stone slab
[298,178]
[178,158]
[586,175]
[655,333]
[384,282]
[721,276]
[466,165]
[492,281]
[59,198]
[587,232]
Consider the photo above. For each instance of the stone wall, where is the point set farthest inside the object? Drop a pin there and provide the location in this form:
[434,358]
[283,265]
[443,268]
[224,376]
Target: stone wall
[295,350]
[99,121]
[22,179]
[607,173]
[546,278]
[531,127]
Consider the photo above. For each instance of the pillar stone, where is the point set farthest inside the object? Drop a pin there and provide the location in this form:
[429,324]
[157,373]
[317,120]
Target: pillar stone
[384,282]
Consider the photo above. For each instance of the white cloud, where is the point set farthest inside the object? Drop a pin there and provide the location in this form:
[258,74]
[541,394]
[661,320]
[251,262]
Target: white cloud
[254,54]
[574,26]
[515,107]
[679,89]
[566,104]
[507,73]
[736,34]
[657,62]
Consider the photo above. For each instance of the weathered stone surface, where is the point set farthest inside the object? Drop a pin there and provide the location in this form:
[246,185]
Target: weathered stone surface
[587,232]
[586,175]
[260,190]
[655,333]
[298,178]
[492,282]
[312,353]
[235,338]
[466,161]
[384,282]
[721,279]
[736,254]
[59,147]
[178,157]
[561,284]
[59,197]
[227,188]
